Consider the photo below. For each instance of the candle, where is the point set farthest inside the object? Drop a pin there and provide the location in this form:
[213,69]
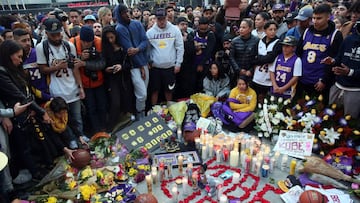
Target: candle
[185,185]
[223,199]
[236,144]
[211,149]
[292,167]
[189,170]
[180,163]
[148,183]
[174,192]
[218,156]
[247,164]
[277,155]
[203,153]
[243,144]
[265,170]
[242,158]
[225,154]
[169,171]
[153,176]
[194,181]
[257,168]
[284,161]
[272,164]
[197,143]
[234,158]
[253,164]
[236,178]
[161,171]
[179,134]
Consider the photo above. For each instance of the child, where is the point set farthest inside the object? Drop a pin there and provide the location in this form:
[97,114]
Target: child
[57,109]
[286,70]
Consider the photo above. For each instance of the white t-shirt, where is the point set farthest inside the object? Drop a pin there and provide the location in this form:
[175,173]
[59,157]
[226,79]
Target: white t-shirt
[62,82]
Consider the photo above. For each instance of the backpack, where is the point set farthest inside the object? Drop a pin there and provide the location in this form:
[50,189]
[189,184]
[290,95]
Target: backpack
[46,49]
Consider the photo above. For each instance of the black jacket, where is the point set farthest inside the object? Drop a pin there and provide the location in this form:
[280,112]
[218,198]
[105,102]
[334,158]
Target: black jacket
[243,52]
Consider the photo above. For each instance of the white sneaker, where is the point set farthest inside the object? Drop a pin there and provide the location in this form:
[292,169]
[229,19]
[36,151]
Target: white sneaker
[73,144]
[23,177]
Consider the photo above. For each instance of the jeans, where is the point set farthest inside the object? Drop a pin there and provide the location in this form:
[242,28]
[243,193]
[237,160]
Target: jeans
[75,117]
[96,104]
[140,87]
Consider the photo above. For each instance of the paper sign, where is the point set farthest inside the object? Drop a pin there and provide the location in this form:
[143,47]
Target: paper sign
[293,143]
[147,133]
[172,158]
[205,124]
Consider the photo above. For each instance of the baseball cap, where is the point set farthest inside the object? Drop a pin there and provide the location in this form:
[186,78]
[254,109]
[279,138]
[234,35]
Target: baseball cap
[87,33]
[53,25]
[288,183]
[90,17]
[289,40]
[181,19]
[3,160]
[305,13]
[278,7]
[189,126]
[208,8]
[290,17]
[160,12]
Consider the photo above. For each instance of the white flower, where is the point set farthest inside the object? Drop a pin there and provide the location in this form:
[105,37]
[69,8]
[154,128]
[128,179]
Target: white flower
[280,100]
[265,101]
[263,127]
[272,98]
[286,102]
[261,113]
[266,134]
[330,136]
[279,115]
[259,106]
[273,107]
[275,121]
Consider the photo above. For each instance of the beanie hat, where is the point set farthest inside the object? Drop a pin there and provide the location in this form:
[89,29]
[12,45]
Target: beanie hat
[122,8]
[87,33]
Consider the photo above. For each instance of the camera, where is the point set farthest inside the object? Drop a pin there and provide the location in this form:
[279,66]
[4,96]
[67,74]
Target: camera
[60,15]
[93,54]
[91,74]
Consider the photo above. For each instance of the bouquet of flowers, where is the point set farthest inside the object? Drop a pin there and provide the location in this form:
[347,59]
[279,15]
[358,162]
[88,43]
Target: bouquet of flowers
[270,117]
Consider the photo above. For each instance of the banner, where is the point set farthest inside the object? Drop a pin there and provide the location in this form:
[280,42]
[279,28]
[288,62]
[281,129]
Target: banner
[295,144]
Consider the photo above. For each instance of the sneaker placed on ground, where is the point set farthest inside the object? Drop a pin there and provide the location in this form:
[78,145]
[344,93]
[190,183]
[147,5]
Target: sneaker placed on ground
[85,138]
[23,177]
[73,144]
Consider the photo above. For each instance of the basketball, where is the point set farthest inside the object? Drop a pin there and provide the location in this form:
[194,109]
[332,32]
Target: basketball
[312,196]
[145,198]
[81,158]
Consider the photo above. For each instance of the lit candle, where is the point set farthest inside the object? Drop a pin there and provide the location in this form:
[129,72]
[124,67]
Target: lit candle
[257,168]
[174,192]
[218,156]
[161,171]
[211,149]
[180,163]
[284,161]
[277,155]
[272,164]
[203,153]
[292,167]
[236,144]
[247,164]
[189,169]
[243,144]
[197,143]
[236,178]
[185,185]
[223,199]
[153,176]
[225,154]
[253,164]
[179,134]
[234,158]
[242,158]
[148,183]
[169,171]
[194,181]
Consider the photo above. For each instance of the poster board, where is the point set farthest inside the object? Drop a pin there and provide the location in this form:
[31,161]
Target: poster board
[295,144]
[172,158]
[147,132]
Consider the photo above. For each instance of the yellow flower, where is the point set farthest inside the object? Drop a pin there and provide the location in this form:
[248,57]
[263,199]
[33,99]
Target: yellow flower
[348,117]
[51,200]
[99,174]
[322,133]
[298,107]
[313,111]
[356,132]
[288,112]
[86,173]
[144,167]
[293,122]
[132,172]
[326,117]
[291,128]
[72,184]
[333,106]
[87,191]
[303,124]
[320,98]
[307,98]
[340,130]
[315,141]
[119,198]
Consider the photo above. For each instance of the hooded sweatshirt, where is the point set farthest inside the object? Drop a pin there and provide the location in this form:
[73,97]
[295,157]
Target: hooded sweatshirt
[166,46]
[132,34]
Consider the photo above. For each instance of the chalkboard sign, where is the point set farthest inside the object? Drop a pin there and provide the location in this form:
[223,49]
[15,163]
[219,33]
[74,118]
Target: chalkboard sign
[147,133]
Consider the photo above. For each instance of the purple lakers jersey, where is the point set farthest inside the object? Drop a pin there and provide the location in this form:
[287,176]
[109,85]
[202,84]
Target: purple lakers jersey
[284,71]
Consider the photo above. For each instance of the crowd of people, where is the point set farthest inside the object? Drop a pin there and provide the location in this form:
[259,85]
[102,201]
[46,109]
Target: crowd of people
[65,76]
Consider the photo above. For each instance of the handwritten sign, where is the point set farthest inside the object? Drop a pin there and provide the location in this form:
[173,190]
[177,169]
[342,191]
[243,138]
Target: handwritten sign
[205,124]
[296,144]
[147,133]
